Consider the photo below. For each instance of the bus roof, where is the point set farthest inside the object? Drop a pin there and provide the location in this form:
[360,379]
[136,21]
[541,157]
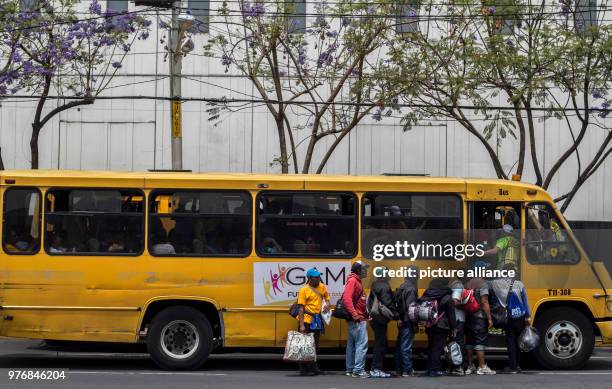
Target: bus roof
[268,181]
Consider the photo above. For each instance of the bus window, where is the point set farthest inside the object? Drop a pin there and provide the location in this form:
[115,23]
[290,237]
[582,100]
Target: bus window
[496,226]
[412,217]
[94,221]
[21,226]
[194,223]
[547,240]
[306,224]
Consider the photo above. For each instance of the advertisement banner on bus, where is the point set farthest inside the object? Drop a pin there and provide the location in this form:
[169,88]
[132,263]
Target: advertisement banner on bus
[278,283]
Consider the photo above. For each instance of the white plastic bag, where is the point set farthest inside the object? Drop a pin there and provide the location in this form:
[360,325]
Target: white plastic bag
[300,347]
[326,315]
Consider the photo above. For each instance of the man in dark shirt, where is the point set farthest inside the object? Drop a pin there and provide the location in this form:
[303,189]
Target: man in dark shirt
[380,290]
[406,294]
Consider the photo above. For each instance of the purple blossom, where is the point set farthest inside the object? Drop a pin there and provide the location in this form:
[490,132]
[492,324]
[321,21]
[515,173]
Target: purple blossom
[163,24]
[282,73]
[117,65]
[301,58]
[253,10]
[377,115]
[331,34]
[16,57]
[225,60]
[143,35]
[95,7]
[491,10]
[597,94]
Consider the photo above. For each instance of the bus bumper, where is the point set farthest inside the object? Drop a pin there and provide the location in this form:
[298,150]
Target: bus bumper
[605,328]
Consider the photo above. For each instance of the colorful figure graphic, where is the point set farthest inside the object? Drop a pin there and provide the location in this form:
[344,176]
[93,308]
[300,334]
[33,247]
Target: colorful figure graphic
[274,278]
[283,275]
[266,286]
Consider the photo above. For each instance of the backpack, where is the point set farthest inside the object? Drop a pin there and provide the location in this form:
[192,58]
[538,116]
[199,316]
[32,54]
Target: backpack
[468,302]
[379,312]
[514,305]
[424,312]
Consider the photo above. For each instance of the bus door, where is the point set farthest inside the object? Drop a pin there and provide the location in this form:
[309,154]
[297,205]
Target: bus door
[496,224]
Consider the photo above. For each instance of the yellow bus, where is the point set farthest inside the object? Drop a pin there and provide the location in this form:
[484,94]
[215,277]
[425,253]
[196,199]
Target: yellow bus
[190,263]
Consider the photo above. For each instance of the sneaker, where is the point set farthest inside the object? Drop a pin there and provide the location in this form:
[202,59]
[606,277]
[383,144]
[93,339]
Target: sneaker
[363,374]
[408,373]
[457,372]
[381,374]
[485,371]
[470,370]
[348,373]
[508,370]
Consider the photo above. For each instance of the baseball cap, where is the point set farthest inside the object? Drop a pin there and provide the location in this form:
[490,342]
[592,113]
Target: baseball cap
[313,272]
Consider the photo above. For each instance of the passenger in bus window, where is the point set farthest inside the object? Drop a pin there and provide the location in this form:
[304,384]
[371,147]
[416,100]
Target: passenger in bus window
[483,233]
[270,246]
[57,244]
[392,222]
[11,242]
[118,244]
[162,246]
[93,245]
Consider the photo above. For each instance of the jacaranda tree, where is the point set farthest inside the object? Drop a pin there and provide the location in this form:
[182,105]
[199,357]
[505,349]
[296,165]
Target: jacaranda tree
[60,50]
[316,72]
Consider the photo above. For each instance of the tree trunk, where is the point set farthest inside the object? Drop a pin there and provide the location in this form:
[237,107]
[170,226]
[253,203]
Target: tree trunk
[280,127]
[34,145]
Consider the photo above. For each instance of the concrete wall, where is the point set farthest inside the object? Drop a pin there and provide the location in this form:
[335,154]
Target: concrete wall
[135,135]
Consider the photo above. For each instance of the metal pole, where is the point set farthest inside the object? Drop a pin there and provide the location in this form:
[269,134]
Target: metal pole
[175,90]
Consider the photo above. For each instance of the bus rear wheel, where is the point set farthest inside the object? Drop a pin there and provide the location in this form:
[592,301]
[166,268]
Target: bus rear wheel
[180,338]
[566,339]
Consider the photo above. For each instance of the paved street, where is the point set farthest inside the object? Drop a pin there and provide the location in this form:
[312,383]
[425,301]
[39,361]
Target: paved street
[104,368]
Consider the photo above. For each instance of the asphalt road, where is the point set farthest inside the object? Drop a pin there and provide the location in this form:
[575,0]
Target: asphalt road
[107,369]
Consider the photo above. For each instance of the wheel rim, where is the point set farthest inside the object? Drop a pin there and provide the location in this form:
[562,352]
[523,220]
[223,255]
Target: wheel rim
[563,339]
[179,339]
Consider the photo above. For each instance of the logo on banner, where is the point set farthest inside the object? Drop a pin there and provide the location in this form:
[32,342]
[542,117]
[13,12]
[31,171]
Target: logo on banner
[278,283]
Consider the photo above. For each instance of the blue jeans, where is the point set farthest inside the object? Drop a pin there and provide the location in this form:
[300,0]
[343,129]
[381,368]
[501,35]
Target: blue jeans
[356,346]
[403,349]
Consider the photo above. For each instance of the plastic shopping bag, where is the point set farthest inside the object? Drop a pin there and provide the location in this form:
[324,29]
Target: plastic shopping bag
[300,347]
[326,315]
[529,339]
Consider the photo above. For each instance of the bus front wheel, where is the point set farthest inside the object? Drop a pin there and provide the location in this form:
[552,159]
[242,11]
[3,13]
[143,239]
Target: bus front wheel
[566,339]
[180,338]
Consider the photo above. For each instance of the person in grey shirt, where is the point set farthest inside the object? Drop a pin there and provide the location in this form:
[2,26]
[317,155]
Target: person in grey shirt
[477,328]
[518,320]
[457,290]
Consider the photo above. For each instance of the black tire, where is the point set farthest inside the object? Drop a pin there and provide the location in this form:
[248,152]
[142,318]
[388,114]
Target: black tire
[556,321]
[188,325]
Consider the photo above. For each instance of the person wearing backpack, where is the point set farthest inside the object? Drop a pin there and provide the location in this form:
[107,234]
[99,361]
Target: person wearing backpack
[442,327]
[458,292]
[477,328]
[354,301]
[405,295]
[381,308]
[311,300]
[512,295]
